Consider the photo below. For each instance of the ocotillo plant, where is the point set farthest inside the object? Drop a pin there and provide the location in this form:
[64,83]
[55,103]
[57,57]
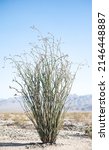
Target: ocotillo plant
[44,78]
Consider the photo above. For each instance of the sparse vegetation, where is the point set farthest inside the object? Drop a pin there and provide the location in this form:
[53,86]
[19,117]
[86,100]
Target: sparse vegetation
[6,116]
[44,78]
[19,120]
[88,131]
[85,117]
[74,118]
[12,132]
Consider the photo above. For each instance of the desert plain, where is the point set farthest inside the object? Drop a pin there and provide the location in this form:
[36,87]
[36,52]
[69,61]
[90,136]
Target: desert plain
[18,133]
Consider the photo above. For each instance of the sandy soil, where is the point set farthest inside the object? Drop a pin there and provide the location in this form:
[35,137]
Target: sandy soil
[22,138]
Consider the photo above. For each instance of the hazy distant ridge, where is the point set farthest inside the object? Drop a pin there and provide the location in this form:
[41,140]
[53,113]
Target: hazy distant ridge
[76,103]
[80,103]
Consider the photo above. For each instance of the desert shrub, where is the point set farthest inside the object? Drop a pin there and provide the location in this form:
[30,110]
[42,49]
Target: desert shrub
[45,79]
[88,131]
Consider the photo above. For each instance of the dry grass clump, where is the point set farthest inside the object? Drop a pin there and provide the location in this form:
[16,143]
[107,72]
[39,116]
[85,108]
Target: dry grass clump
[85,117]
[19,120]
[5,116]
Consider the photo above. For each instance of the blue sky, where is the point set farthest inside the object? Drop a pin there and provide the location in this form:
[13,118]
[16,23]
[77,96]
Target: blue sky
[68,19]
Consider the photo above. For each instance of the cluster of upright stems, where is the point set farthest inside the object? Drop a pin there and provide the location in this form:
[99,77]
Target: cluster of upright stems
[44,80]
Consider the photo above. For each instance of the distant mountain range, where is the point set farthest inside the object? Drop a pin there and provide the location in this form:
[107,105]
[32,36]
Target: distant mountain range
[79,103]
[74,103]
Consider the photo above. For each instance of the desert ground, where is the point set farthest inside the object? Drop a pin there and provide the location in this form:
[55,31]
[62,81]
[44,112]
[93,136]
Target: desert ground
[18,133]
